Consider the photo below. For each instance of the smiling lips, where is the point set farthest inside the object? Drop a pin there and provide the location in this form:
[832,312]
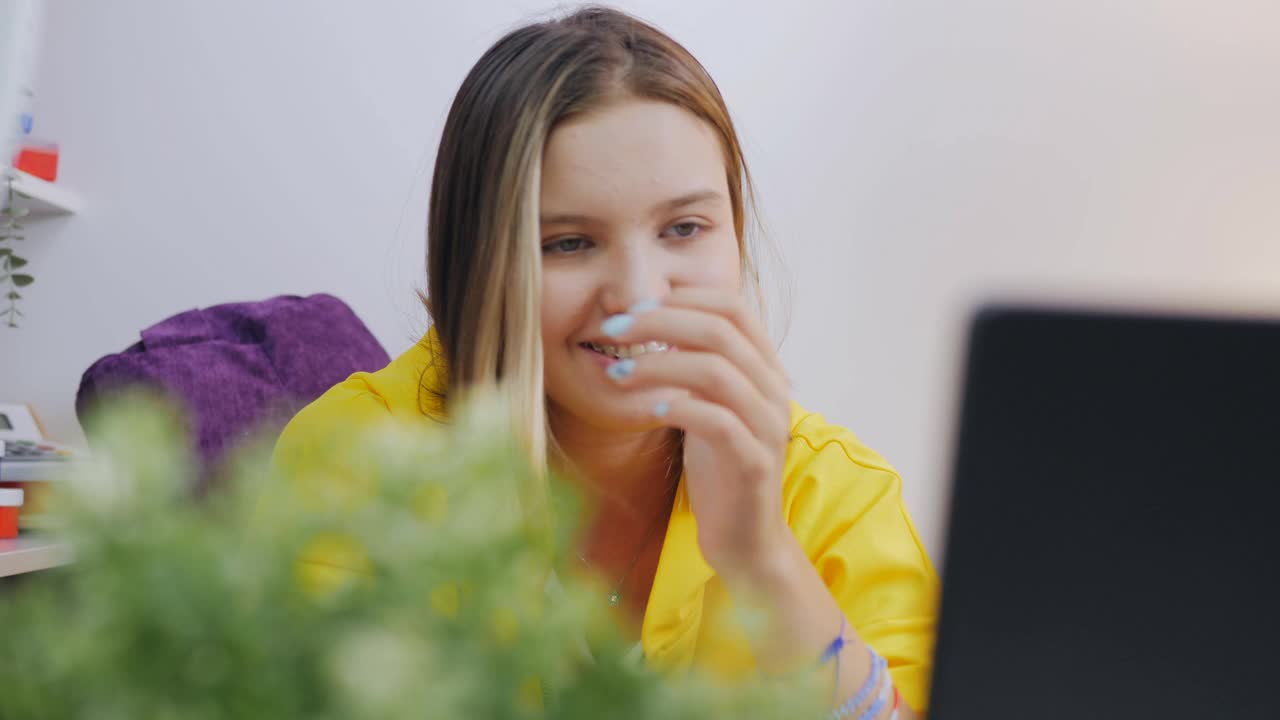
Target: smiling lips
[627,351]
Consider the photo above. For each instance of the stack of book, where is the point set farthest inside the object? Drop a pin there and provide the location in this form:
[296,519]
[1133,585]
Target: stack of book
[30,465]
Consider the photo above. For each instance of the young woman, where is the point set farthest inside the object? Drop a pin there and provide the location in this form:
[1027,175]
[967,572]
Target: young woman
[586,258]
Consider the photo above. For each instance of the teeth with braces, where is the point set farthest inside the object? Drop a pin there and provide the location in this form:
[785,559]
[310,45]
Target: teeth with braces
[629,351]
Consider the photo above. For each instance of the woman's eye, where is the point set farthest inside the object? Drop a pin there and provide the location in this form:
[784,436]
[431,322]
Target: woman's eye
[686,229]
[564,246]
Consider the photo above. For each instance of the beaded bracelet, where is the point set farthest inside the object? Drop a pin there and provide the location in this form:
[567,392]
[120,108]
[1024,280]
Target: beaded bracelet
[871,712]
[878,666]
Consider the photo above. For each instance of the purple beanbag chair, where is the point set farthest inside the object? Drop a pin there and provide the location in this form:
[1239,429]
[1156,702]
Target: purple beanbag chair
[240,368]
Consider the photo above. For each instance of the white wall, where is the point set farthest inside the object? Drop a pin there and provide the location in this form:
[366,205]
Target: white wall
[911,155]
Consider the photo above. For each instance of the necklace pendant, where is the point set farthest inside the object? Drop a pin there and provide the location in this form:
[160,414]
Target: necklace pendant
[615,599]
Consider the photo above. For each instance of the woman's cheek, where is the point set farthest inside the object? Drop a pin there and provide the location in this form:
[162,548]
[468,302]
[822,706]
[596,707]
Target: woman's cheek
[563,300]
[717,263]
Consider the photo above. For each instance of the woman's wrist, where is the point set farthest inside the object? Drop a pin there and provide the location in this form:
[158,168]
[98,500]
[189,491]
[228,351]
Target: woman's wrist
[771,569]
[803,619]
[800,614]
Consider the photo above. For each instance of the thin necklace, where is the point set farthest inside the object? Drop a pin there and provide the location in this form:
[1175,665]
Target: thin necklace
[615,593]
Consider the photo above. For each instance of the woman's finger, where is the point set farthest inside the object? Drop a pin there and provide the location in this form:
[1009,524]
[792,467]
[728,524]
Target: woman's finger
[734,309]
[691,329]
[712,378]
[719,427]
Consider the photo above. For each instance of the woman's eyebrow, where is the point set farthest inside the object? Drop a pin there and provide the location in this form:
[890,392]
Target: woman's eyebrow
[693,198]
[662,208]
[566,219]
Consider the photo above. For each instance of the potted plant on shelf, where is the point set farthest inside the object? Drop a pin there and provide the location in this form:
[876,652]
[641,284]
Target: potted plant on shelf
[11,280]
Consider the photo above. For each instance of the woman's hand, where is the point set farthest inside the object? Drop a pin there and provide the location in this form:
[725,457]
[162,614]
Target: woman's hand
[736,415]
[736,418]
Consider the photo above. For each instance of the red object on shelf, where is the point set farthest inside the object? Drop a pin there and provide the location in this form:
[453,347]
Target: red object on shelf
[10,501]
[38,160]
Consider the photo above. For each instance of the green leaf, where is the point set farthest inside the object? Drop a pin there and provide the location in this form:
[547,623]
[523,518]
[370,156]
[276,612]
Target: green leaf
[16,262]
[14,295]
[5,251]
[23,280]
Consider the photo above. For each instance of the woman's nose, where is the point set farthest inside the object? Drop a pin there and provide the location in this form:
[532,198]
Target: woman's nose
[635,275]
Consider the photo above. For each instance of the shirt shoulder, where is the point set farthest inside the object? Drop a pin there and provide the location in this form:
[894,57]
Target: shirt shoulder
[830,477]
[409,388]
[815,435]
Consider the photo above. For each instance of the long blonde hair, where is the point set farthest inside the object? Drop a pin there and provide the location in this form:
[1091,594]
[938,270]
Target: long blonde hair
[483,257]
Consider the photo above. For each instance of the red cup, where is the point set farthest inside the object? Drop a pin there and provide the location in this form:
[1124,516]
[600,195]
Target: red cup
[10,501]
[39,160]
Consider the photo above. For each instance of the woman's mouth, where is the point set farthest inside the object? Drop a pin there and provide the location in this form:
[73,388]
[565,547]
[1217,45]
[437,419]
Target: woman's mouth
[620,352]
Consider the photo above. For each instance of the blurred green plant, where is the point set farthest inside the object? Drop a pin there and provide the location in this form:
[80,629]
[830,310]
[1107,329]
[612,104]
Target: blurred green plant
[10,261]
[441,609]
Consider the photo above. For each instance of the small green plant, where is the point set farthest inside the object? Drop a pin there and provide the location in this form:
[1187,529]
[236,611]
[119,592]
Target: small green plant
[427,598]
[10,261]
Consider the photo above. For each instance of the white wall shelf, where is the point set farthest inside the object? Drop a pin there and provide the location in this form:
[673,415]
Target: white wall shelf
[29,553]
[45,198]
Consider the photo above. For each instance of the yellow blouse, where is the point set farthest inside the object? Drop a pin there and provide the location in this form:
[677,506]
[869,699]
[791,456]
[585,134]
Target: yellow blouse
[842,501]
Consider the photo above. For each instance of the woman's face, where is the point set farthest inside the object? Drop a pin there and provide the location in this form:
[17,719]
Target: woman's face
[635,203]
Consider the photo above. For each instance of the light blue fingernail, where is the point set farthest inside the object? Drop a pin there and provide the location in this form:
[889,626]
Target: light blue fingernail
[621,369]
[644,306]
[661,409]
[617,324]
